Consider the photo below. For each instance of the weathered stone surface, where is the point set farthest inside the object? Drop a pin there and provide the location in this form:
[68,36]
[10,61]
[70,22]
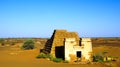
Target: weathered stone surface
[59,36]
[66,45]
[85,50]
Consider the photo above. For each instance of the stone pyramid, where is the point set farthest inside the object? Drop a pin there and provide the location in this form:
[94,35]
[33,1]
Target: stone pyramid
[56,42]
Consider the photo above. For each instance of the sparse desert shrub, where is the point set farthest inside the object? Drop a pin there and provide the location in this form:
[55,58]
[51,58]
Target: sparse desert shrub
[103,57]
[110,58]
[98,58]
[57,60]
[28,44]
[50,57]
[42,55]
[2,41]
[2,44]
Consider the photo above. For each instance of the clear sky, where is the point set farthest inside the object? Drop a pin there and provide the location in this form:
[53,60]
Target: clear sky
[39,18]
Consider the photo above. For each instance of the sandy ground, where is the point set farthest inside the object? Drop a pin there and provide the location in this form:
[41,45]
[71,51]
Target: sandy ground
[13,56]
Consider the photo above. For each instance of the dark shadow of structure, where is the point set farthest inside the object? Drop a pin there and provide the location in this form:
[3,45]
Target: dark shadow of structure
[59,52]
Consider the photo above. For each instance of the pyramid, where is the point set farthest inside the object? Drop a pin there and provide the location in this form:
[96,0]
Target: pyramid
[56,42]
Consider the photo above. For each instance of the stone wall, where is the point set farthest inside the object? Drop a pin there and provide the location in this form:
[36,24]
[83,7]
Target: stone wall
[85,50]
[67,45]
[58,39]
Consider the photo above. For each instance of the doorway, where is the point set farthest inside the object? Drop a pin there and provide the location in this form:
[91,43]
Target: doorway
[59,52]
[79,54]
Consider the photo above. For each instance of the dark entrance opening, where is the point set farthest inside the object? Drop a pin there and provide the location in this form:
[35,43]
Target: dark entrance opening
[59,52]
[79,54]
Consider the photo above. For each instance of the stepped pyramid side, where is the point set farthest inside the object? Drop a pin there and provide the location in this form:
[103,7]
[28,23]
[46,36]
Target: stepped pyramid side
[68,46]
[58,39]
[47,47]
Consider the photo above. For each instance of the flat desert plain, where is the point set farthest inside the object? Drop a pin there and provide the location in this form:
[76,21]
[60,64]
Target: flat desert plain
[14,56]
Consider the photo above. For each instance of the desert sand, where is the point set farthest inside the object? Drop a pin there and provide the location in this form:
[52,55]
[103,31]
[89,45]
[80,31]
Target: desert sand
[14,56]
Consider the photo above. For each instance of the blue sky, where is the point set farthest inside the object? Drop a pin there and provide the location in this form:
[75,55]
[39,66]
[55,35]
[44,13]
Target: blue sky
[39,18]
